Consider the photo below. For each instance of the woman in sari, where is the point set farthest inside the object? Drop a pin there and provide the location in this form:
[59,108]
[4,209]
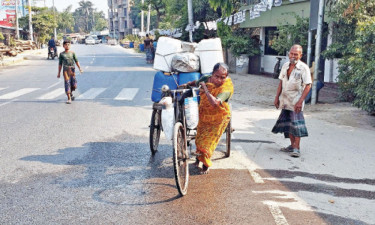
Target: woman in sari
[149,50]
[214,112]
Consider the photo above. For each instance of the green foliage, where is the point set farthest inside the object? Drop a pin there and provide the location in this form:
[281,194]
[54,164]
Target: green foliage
[157,35]
[60,36]
[43,23]
[288,35]
[357,78]
[101,24]
[356,51]
[12,42]
[203,13]
[87,18]
[65,20]
[239,45]
[132,38]
[227,6]
[239,41]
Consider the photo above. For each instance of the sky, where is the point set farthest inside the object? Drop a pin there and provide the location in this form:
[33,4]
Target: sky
[100,5]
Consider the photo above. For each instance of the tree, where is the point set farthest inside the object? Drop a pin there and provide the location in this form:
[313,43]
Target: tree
[227,6]
[84,16]
[66,20]
[356,51]
[158,6]
[288,35]
[101,24]
[43,23]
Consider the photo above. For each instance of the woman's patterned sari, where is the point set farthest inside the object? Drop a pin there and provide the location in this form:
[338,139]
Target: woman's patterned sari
[212,121]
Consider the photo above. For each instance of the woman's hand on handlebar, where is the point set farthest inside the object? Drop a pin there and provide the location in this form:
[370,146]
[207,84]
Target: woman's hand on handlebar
[183,86]
[202,87]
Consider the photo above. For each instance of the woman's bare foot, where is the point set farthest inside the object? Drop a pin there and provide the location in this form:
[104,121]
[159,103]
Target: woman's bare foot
[196,163]
[205,169]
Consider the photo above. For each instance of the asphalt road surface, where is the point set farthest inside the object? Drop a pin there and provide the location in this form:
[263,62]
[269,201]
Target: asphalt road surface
[90,163]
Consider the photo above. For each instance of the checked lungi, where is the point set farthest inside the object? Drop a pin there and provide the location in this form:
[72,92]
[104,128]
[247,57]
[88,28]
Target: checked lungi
[290,122]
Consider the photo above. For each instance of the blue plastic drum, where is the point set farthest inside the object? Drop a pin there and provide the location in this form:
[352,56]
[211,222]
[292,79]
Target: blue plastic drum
[142,47]
[159,80]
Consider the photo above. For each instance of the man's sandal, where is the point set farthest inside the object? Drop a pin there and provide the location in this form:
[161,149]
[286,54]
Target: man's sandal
[287,149]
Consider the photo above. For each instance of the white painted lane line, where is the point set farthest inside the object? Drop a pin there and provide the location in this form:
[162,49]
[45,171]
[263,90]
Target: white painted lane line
[251,166]
[91,93]
[6,103]
[278,216]
[53,94]
[18,93]
[55,84]
[127,94]
[289,200]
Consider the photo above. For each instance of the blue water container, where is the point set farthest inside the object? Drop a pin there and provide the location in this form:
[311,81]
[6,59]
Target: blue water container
[159,80]
[131,45]
[183,78]
[142,47]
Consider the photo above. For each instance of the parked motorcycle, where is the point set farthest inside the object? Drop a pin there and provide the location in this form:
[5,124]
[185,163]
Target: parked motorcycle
[51,53]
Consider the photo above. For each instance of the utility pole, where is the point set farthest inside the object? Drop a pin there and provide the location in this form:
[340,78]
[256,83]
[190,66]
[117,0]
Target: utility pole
[17,25]
[142,19]
[148,18]
[54,18]
[191,23]
[113,20]
[30,24]
[317,51]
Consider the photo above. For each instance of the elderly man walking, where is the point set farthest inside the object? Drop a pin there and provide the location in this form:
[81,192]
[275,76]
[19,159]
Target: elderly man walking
[295,84]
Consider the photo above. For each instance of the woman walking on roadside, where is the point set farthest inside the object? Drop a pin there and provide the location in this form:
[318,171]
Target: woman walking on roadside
[149,49]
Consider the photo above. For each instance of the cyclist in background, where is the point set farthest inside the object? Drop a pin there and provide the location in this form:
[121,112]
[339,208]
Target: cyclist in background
[52,44]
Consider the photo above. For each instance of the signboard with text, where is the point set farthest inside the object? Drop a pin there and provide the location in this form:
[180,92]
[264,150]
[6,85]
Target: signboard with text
[8,12]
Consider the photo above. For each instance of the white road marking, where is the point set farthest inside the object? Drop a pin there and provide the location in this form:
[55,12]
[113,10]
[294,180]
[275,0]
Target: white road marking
[91,93]
[53,94]
[18,93]
[278,216]
[127,94]
[251,166]
[55,84]
[6,103]
[294,202]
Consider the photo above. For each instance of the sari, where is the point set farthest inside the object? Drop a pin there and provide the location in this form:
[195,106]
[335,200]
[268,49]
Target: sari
[212,121]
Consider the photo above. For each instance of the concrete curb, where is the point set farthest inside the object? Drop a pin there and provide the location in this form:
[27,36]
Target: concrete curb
[27,55]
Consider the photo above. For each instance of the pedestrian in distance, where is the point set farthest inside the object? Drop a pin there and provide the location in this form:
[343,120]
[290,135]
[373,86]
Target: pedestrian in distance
[149,49]
[295,84]
[66,62]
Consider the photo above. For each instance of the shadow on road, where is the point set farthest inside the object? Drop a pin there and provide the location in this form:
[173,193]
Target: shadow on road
[118,172]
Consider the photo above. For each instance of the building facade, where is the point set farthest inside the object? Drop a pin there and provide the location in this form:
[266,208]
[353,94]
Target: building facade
[120,23]
[267,23]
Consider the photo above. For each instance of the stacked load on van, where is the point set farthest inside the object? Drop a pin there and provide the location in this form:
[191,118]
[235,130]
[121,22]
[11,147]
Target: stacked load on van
[181,62]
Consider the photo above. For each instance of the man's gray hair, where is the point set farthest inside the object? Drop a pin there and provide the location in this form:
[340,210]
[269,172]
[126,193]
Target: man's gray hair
[299,47]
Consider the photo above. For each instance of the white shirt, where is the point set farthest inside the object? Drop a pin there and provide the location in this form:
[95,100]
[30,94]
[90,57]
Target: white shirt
[293,86]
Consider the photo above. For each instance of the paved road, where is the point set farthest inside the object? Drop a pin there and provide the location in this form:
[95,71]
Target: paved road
[89,162]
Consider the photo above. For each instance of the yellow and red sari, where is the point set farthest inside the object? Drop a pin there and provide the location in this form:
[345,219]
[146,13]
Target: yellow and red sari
[212,121]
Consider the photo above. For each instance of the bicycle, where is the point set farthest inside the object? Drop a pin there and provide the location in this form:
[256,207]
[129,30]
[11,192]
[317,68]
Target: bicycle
[277,69]
[182,135]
